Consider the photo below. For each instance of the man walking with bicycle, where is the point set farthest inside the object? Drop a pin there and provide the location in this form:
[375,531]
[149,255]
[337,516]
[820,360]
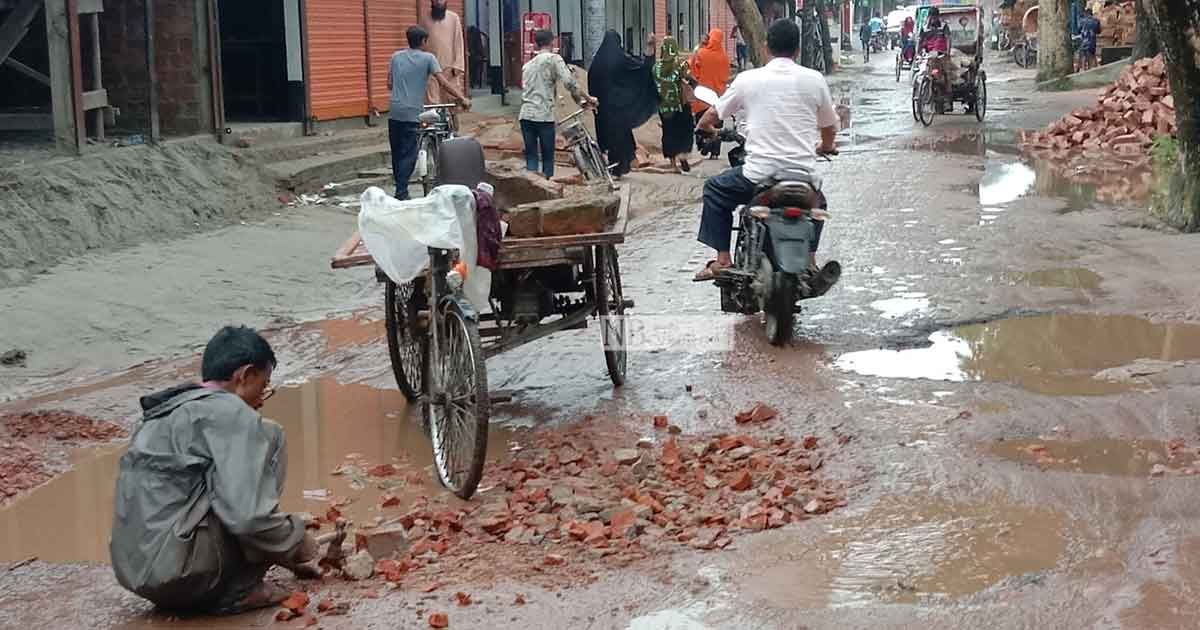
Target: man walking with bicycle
[540,79]
[408,79]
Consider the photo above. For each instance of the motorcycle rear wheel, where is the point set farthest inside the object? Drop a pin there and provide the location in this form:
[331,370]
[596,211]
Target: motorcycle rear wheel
[781,309]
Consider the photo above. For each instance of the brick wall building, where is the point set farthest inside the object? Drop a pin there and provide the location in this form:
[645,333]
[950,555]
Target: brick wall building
[181,63]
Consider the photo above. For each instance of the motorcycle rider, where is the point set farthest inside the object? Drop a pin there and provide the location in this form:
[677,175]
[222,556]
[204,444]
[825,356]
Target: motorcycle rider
[788,107]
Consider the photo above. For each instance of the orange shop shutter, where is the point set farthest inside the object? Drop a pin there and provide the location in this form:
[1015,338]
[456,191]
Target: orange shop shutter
[387,22]
[337,54]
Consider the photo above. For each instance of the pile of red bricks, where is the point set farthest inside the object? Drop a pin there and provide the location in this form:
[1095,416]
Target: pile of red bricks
[1127,117]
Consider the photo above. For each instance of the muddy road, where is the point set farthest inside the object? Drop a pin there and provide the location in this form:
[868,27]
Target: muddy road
[1004,388]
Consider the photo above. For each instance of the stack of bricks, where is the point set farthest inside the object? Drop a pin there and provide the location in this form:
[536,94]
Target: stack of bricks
[1127,117]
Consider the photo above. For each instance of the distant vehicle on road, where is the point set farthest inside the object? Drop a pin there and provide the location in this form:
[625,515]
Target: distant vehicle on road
[895,20]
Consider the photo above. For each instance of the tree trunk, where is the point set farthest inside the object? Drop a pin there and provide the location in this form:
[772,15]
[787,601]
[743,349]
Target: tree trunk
[1173,23]
[754,30]
[826,40]
[1055,58]
[1146,44]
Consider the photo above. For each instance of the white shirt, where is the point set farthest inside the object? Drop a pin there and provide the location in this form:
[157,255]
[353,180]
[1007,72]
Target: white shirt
[785,105]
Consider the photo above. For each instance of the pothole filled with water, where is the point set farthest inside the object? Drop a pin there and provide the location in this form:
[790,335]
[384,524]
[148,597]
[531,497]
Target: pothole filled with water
[1063,354]
[328,426]
[907,551]
[1104,456]
[1076,278]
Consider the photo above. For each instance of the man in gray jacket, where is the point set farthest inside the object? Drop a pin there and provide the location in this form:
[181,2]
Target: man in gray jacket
[197,521]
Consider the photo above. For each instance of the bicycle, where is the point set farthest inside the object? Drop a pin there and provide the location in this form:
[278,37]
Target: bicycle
[585,151]
[438,124]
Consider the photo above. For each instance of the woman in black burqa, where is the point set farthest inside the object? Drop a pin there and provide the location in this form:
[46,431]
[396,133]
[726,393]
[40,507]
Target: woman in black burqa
[624,85]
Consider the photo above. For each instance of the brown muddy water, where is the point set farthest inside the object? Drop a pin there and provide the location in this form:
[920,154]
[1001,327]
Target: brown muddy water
[1057,354]
[1098,457]
[329,426]
[906,551]
[1076,278]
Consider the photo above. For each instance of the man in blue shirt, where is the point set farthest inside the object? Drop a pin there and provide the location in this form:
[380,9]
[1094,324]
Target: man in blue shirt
[408,78]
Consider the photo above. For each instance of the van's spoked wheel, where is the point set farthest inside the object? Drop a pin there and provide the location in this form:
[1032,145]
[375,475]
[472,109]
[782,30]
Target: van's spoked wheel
[610,306]
[459,407]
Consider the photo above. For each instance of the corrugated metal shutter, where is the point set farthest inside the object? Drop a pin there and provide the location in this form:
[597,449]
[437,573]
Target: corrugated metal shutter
[337,52]
[388,21]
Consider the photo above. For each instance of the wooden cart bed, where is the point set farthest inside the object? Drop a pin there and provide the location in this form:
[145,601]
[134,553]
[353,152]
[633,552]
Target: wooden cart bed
[514,252]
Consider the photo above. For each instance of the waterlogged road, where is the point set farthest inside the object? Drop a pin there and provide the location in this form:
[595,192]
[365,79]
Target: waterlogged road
[1003,390]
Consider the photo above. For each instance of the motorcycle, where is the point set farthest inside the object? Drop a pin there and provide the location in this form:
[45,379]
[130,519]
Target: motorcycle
[770,272]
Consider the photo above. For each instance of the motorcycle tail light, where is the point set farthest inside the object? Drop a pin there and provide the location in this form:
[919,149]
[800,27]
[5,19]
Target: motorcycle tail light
[793,213]
[760,212]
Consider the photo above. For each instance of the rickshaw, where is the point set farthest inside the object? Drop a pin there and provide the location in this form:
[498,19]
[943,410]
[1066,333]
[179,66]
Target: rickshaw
[1025,50]
[906,56]
[967,80]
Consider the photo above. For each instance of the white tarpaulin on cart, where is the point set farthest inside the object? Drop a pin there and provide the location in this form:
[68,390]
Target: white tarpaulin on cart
[399,234]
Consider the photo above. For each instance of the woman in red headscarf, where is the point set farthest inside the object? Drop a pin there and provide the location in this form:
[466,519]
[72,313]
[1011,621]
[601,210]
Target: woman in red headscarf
[710,68]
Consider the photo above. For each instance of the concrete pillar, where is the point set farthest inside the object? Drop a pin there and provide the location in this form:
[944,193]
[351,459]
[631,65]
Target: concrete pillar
[593,28]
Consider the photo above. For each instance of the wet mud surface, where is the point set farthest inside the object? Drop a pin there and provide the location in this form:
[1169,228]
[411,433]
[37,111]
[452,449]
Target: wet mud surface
[1004,387]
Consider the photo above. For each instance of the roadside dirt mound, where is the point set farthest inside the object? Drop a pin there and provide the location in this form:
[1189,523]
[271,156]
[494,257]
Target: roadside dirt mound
[53,211]
[26,438]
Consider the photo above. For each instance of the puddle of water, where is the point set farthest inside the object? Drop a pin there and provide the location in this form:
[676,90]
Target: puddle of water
[904,551]
[69,518]
[1049,354]
[1076,278]
[1097,457]
[976,142]
[1005,182]
[897,307]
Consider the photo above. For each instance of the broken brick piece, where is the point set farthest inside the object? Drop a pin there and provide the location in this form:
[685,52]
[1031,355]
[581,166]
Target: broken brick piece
[439,620]
[741,481]
[660,422]
[297,601]
[462,598]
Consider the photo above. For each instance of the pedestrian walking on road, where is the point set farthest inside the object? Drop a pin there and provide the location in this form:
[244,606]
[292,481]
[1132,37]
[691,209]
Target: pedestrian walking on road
[540,79]
[408,81]
[674,80]
[624,86]
[710,67]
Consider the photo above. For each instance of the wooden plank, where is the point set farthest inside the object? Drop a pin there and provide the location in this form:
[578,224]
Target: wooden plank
[95,99]
[26,122]
[32,73]
[77,73]
[13,30]
[61,94]
[151,73]
[87,7]
[97,74]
